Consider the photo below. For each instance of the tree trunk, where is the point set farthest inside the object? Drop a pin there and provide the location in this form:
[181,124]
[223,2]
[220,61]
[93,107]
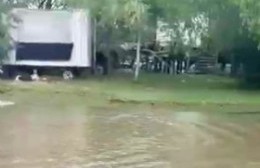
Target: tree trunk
[41,5]
[234,65]
[107,50]
[187,63]
[138,56]
[94,47]
[154,21]
[45,4]
[48,4]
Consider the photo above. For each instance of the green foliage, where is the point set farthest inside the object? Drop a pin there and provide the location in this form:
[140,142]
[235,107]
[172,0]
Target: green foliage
[225,18]
[5,6]
[115,13]
[250,13]
[225,25]
[3,31]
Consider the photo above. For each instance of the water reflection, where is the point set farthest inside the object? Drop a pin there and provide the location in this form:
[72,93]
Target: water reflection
[190,117]
[137,139]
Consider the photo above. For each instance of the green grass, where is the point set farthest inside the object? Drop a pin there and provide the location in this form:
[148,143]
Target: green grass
[174,89]
[212,91]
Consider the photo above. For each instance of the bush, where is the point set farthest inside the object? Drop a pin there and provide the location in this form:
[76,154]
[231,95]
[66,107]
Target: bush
[252,68]
[248,55]
[4,40]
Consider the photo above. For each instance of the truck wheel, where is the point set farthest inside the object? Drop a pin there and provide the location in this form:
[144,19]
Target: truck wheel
[68,75]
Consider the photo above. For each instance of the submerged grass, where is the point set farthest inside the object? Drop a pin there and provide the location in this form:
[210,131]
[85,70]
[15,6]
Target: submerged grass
[187,91]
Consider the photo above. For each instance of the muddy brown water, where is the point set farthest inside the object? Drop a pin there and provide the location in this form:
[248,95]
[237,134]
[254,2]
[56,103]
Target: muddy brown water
[104,139]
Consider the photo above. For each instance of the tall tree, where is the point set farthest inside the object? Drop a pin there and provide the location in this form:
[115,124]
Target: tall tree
[106,14]
[4,39]
[110,14]
[136,16]
[250,13]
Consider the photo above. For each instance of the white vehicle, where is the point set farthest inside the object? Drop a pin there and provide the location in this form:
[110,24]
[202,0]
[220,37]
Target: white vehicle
[50,39]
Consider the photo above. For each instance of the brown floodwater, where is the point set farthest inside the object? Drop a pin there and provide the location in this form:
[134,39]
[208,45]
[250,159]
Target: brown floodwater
[118,139]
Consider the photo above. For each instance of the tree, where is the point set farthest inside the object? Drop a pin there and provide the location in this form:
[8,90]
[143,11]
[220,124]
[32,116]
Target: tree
[135,13]
[250,13]
[112,14]
[5,6]
[3,30]
[106,14]
[185,20]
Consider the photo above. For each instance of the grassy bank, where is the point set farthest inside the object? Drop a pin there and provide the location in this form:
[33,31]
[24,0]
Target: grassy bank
[151,89]
[174,89]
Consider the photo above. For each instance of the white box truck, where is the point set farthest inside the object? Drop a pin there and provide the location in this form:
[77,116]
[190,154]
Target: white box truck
[49,39]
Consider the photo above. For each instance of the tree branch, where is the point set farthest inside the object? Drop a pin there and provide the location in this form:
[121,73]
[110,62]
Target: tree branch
[41,5]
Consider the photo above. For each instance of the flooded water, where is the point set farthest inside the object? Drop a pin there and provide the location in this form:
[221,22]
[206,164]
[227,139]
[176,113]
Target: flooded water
[105,139]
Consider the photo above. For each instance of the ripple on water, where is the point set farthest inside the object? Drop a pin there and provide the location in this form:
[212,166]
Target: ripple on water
[176,139]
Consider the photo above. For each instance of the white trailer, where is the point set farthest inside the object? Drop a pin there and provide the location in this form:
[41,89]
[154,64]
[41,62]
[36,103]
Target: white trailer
[52,39]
